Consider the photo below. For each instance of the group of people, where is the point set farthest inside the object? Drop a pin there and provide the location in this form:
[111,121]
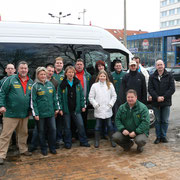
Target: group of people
[58,100]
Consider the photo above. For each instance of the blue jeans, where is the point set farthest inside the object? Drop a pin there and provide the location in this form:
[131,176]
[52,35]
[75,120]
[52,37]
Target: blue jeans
[162,118]
[35,139]
[47,125]
[77,118]
[107,121]
[59,128]
[115,109]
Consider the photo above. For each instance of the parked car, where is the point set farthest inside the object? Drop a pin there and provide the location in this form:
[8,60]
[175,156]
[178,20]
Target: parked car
[150,70]
[174,70]
[176,73]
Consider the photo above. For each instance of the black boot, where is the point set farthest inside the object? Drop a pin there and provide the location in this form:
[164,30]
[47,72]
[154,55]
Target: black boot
[97,138]
[113,144]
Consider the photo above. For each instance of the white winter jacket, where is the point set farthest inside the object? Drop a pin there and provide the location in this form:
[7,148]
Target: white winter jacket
[102,99]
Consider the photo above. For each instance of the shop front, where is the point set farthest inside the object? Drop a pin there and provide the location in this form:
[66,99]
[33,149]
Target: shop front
[152,46]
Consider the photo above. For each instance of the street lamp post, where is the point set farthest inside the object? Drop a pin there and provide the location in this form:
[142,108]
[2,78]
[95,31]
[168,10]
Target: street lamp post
[84,11]
[59,17]
[125,35]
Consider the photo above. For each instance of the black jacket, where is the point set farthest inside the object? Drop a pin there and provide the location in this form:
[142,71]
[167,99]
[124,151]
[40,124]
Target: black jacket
[134,80]
[164,87]
[71,92]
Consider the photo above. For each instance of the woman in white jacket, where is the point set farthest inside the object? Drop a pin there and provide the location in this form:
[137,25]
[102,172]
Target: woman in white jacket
[102,96]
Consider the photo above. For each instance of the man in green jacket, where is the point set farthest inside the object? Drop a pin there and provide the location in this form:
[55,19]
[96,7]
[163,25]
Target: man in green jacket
[117,80]
[59,76]
[10,70]
[132,121]
[59,72]
[15,104]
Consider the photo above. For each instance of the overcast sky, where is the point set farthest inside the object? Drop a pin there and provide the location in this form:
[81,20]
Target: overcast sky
[141,14]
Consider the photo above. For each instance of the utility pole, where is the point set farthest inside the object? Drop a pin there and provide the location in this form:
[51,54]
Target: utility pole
[125,35]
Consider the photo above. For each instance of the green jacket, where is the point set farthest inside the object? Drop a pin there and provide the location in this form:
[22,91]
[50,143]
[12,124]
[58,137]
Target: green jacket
[63,96]
[59,77]
[117,78]
[2,80]
[13,98]
[43,99]
[135,119]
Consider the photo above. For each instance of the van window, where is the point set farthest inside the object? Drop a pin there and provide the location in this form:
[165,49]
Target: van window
[91,57]
[42,54]
[120,56]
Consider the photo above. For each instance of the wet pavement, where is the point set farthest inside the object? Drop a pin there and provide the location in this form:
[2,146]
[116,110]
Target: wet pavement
[160,161]
[156,162]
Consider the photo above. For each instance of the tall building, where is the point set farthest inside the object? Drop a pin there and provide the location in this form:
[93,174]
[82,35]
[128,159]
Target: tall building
[169,14]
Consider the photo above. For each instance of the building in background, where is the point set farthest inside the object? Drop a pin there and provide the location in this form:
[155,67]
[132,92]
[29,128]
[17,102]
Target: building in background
[119,33]
[169,14]
[161,44]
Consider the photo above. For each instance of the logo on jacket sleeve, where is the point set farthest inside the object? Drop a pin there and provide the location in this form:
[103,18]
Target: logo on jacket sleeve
[17,86]
[138,116]
[115,81]
[40,93]
[50,90]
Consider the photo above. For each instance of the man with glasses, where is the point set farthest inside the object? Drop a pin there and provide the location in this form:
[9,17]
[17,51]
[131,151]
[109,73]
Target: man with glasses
[10,70]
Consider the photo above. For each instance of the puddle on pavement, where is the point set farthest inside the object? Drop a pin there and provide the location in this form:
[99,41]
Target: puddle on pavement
[148,164]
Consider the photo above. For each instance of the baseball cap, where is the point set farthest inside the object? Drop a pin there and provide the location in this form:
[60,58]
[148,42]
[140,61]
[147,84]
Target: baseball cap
[132,63]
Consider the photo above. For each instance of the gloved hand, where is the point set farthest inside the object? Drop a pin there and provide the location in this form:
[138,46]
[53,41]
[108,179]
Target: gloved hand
[97,106]
[109,105]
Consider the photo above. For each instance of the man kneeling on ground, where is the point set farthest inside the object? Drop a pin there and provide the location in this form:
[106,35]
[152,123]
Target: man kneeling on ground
[132,121]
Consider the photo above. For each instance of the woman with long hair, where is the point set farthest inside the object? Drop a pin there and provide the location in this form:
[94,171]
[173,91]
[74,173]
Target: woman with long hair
[72,103]
[102,96]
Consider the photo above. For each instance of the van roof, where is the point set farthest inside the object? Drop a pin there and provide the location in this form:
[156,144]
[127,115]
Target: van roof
[28,32]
